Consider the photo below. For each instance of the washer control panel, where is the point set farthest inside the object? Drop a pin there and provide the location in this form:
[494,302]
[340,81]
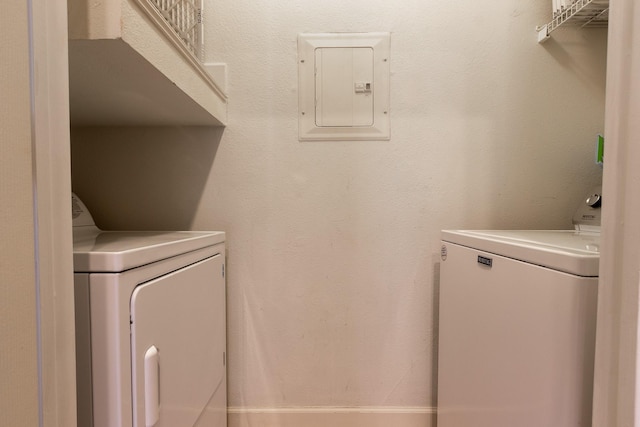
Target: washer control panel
[589,212]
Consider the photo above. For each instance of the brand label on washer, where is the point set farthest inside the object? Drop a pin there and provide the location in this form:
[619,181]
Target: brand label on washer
[443,253]
[485,261]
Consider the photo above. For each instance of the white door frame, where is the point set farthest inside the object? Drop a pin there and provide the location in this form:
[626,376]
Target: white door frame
[616,376]
[53,233]
[616,373]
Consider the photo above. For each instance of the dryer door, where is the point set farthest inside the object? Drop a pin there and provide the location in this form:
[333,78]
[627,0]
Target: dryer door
[177,344]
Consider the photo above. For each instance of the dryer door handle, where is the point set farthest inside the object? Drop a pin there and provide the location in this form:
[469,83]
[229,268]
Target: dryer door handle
[151,386]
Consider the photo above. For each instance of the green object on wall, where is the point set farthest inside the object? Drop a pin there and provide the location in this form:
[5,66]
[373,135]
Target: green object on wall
[600,150]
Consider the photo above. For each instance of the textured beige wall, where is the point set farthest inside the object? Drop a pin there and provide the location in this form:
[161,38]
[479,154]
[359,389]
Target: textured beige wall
[333,246]
[18,354]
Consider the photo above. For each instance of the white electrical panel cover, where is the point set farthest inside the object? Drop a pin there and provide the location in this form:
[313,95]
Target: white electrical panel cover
[344,86]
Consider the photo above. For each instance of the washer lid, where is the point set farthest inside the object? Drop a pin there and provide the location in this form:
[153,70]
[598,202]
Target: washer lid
[574,252]
[115,251]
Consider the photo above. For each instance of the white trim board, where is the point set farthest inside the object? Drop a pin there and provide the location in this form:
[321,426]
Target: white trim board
[332,416]
[52,209]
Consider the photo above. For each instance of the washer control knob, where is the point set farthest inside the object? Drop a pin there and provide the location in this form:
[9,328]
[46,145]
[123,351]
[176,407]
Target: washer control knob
[594,200]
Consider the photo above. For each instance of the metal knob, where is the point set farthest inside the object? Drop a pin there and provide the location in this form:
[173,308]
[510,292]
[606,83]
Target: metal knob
[594,200]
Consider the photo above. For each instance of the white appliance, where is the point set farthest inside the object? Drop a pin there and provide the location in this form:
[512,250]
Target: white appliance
[517,325]
[150,326]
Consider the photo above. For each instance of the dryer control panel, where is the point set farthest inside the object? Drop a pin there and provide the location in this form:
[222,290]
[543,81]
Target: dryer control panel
[79,213]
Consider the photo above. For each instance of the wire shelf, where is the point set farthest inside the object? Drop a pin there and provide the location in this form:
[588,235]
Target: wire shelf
[582,13]
[185,18]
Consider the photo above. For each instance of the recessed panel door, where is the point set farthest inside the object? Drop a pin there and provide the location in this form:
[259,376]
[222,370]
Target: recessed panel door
[344,86]
[177,344]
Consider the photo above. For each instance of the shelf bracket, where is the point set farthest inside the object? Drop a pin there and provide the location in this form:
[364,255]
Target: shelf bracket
[585,13]
[543,33]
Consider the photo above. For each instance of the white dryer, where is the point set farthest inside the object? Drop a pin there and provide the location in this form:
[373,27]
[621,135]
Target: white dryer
[150,326]
[517,318]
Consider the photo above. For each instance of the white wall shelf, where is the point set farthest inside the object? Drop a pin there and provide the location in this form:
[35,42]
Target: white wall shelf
[583,13]
[127,67]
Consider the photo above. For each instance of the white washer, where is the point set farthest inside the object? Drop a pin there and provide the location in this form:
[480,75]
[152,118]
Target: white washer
[517,326]
[150,326]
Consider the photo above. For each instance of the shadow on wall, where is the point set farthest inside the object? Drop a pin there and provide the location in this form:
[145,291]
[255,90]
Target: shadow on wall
[142,178]
[572,53]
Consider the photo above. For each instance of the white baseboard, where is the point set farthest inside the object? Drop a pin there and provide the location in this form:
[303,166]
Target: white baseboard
[332,417]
